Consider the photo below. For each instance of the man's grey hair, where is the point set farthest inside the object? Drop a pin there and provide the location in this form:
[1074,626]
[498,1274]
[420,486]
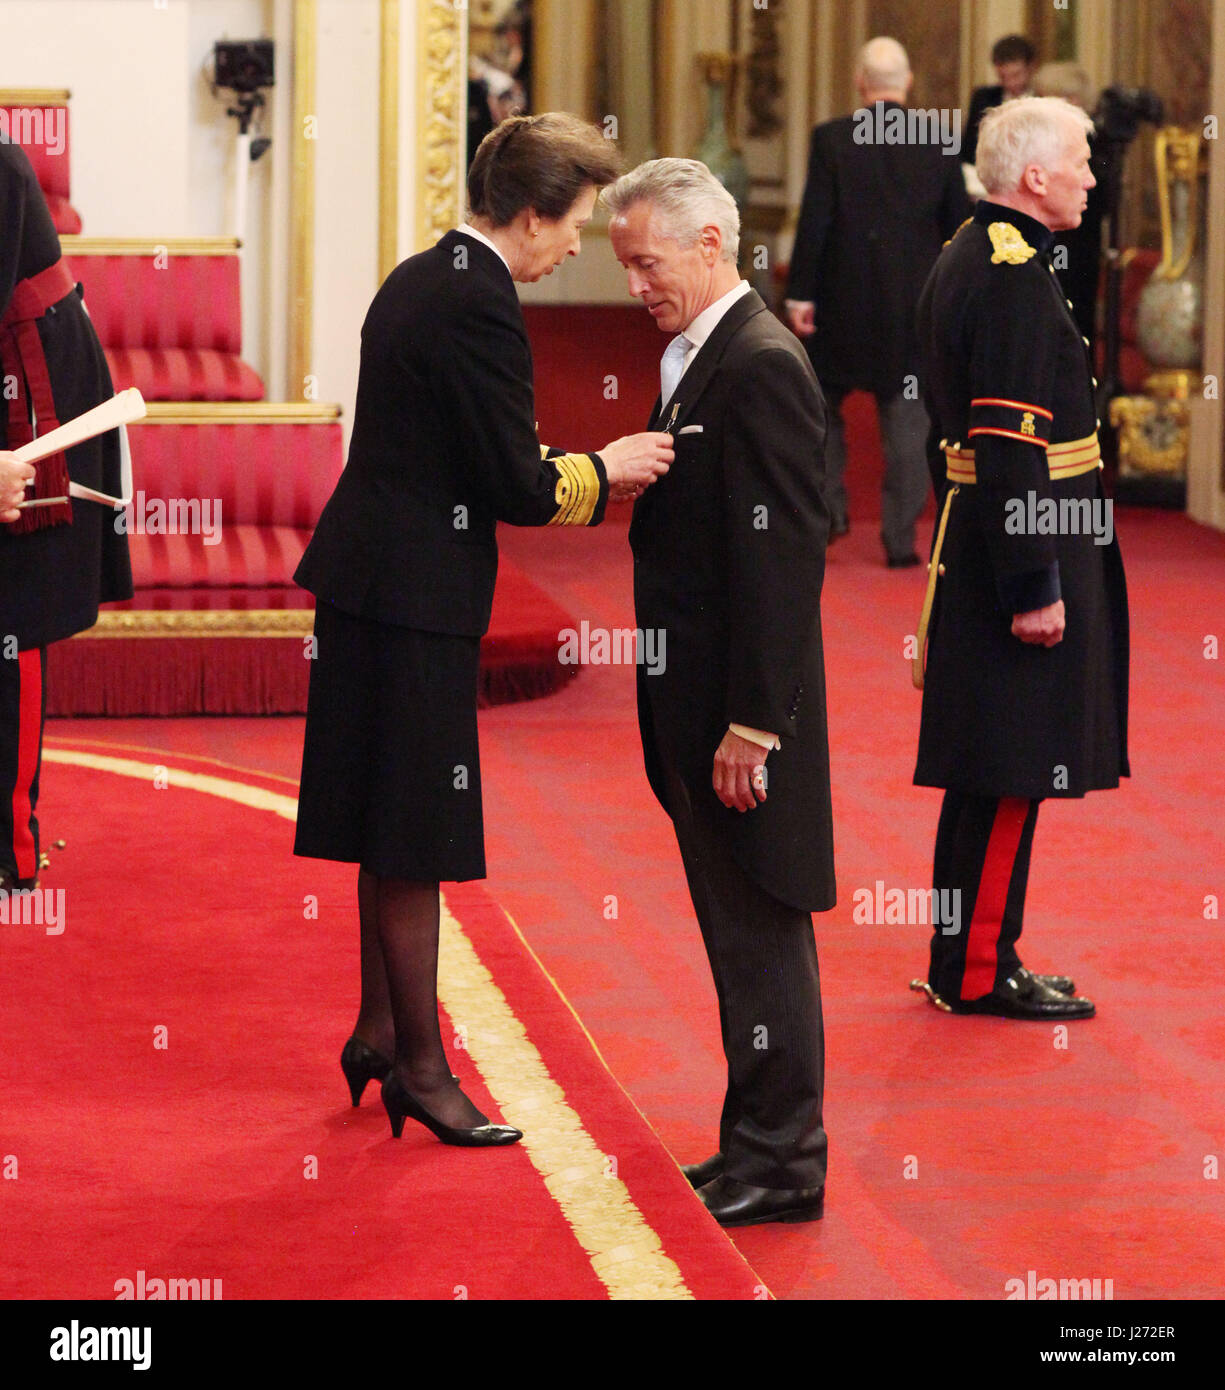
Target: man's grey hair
[1021,132]
[685,195]
[882,66]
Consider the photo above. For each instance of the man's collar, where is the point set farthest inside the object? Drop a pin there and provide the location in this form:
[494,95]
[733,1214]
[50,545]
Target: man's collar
[1036,233]
[704,325]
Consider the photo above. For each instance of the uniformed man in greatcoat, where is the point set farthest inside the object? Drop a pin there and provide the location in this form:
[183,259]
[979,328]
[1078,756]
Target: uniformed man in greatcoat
[1025,627]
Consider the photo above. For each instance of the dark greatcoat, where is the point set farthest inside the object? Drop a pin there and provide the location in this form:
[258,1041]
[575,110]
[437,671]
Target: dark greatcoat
[1002,717]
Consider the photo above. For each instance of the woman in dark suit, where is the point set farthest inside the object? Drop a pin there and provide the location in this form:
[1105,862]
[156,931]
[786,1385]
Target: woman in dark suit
[402,565]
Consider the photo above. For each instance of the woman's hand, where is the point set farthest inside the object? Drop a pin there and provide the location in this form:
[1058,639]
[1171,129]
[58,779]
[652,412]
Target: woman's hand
[635,462]
[13,479]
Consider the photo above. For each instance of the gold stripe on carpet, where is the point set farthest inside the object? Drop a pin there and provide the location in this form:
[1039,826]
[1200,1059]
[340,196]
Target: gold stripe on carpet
[624,1250]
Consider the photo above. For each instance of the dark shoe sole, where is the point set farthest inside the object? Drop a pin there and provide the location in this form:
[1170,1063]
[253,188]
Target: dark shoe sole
[788,1218]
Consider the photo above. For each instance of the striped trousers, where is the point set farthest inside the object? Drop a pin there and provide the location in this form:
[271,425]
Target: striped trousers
[22,710]
[983,846]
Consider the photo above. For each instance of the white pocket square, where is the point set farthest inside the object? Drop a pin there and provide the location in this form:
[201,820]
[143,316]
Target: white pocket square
[693,429]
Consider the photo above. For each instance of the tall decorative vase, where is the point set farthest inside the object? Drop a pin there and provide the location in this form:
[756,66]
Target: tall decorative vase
[715,149]
[1170,312]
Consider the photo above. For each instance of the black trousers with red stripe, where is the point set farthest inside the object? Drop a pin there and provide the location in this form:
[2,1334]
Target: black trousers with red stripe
[23,708]
[983,846]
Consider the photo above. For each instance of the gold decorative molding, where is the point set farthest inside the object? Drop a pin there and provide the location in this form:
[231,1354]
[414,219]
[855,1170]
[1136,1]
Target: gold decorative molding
[1154,436]
[441,125]
[150,246]
[302,195]
[238,413]
[34,96]
[389,137]
[204,622]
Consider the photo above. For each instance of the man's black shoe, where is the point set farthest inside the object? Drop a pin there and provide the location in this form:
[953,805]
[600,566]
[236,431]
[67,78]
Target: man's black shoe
[1025,996]
[840,526]
[734,1203]
[1060,983]
[903,562]
[699,1174]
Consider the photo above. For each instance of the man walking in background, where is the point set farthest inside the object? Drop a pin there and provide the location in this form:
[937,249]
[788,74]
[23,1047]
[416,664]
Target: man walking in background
[874,217]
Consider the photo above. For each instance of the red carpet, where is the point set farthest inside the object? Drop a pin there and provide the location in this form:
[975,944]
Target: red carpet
[963,1152]
[173,1100]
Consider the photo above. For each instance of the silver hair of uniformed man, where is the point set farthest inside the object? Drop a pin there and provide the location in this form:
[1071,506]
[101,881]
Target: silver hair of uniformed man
[1021,132]
[687,197]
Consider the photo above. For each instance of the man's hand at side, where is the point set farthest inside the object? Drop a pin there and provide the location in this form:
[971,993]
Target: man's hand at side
[739,772]
[801,315]
[635,462]
[1041,628]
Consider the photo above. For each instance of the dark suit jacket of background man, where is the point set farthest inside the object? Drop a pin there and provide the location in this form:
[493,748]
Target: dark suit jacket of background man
[444,447]
[737,590]
[873,221]
[982,99]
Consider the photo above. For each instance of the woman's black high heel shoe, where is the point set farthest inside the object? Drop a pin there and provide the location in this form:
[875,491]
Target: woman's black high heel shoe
[361,1065]
[400,1103]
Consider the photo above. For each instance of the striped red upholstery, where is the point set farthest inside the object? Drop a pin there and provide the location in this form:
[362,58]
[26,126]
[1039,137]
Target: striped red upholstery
[172,327]
[184,374]
[245,557]
[189,302]
[215,600]
[275,474]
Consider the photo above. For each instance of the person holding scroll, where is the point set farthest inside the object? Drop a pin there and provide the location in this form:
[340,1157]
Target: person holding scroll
[57,562]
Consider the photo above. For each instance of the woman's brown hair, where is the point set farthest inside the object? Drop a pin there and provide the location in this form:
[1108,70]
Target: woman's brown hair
[542,162]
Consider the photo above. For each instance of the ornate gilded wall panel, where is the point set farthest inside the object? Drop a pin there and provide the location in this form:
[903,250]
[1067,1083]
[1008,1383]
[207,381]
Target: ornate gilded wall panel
[931,35]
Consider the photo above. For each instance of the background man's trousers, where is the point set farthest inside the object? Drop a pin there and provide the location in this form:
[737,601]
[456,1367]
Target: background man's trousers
[903,428]
[764,961]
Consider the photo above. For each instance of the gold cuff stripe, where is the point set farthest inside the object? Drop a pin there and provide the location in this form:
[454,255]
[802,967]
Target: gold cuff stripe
[1066,460]
[577,492]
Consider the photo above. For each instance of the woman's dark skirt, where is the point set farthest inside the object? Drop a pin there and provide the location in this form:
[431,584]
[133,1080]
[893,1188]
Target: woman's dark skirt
[391,775]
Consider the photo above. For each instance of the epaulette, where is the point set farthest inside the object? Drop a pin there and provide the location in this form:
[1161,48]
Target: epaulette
[1011,248]
[962,228]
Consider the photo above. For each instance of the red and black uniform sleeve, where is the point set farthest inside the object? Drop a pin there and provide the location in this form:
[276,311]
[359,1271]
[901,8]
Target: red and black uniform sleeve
[1013,352]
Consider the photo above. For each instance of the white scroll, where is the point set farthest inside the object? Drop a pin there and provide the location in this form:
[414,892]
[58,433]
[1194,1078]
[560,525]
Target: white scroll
[119,411]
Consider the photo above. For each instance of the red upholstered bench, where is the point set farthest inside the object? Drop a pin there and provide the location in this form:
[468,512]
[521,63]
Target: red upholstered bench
[37,120]
[168,314]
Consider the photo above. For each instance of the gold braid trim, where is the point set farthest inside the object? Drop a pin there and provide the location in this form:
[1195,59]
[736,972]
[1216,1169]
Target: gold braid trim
[1010,246]
[578,490]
